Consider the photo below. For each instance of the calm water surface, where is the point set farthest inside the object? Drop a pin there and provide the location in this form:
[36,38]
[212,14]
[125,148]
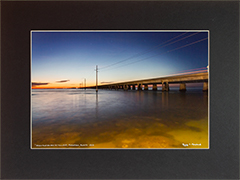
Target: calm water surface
[74,118]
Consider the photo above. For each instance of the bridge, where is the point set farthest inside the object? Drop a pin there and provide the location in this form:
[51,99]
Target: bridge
[164,81]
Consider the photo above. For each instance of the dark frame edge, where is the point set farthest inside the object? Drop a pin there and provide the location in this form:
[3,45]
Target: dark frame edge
[0,89]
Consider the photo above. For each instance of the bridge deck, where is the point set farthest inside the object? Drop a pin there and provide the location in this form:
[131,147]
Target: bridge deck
[187,78]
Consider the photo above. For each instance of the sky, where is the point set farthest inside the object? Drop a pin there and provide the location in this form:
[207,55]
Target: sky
[63,59]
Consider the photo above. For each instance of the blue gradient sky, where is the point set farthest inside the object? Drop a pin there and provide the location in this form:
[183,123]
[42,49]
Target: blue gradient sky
[66,58]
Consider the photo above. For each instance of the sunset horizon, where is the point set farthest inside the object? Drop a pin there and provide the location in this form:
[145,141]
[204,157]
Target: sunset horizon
[65,59]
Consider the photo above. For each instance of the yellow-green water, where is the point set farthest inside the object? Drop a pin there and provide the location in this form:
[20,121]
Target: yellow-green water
[118,119]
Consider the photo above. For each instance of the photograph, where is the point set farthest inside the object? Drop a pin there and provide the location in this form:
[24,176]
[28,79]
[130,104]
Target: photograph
[119,89]
[105,89]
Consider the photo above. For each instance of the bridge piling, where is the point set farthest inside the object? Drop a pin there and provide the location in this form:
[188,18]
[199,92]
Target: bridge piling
[139,87]
[182,87]
[165,86]
[205,86]
[133,87]
[125,87]
[154,87]
[145,87]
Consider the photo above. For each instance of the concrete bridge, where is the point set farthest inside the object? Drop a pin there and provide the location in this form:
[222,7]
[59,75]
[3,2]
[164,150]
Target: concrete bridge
[164,81]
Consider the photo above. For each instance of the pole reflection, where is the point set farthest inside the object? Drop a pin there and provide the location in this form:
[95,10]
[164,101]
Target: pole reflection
[97,105]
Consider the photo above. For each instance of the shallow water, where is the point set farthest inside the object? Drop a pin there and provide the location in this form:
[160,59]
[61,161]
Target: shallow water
[74,118]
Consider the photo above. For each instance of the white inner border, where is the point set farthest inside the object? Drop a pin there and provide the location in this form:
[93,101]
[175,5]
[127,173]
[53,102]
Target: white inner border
[120,31]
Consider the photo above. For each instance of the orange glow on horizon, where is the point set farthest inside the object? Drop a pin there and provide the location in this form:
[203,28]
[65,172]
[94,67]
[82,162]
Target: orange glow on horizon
[63,86]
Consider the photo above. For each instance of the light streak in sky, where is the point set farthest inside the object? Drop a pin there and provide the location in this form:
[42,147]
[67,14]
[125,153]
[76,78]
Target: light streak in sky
[193,69]
[156,47]
[192,72]
[161,53]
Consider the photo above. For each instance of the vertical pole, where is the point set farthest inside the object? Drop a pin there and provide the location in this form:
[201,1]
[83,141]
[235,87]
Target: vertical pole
[85,83]
[96,78]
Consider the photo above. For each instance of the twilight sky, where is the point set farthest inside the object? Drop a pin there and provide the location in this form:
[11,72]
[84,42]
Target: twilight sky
[65,58]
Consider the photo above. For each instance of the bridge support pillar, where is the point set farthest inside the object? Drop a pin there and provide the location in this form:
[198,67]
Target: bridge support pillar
[129,87]
[125,87]
[165,86]
[154,87]
[133,87]
[182,87]
[139,87]
[145,87]
[205,86]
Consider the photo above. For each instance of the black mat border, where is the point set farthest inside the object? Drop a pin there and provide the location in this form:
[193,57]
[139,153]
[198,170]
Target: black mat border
[19,162]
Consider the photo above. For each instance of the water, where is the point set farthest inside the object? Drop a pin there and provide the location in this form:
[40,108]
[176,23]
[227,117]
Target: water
[74,118]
